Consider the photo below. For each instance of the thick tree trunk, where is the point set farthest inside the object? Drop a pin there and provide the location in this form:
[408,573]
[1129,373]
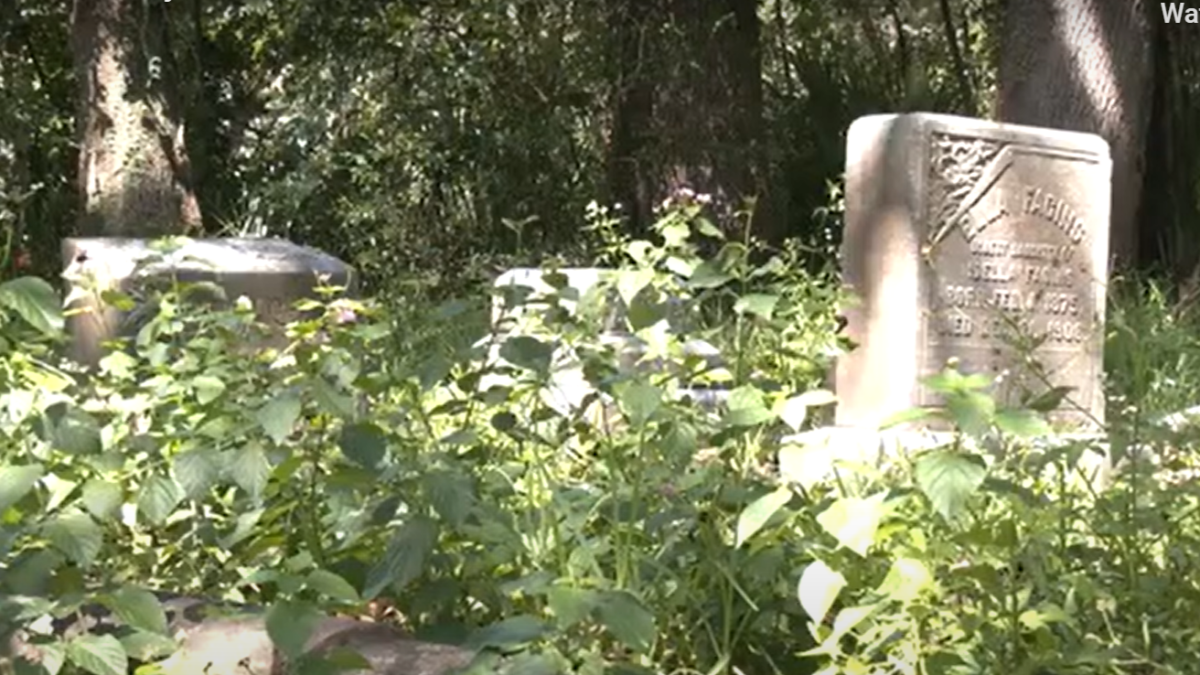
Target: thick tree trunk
[1085,65]
[134,177]
[687,108]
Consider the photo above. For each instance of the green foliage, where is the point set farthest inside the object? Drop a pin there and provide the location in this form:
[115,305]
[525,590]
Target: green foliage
[556,498]
[455,136]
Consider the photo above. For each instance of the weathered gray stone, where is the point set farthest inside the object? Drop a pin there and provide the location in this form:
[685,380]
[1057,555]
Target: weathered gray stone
[242,647]
[829,453]
[272,273]
[218,640]
[961,237]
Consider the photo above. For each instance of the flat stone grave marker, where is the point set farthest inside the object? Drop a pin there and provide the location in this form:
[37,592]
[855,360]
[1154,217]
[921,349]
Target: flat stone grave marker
[568,387]
[272,273]
[979,242]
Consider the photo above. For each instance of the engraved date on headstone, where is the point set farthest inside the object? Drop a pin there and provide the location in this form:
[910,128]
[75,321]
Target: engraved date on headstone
[1008,265]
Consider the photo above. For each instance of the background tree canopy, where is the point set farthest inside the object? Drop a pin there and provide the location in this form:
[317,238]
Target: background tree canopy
[415,137]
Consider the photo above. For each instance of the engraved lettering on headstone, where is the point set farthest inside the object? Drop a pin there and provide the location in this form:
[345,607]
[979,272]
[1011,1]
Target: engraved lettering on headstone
[1006,261]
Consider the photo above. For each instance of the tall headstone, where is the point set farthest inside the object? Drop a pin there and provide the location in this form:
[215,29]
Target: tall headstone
[979,242]
[272,273]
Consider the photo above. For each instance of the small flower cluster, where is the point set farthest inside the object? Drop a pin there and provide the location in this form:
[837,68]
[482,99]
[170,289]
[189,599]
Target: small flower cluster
[683,197]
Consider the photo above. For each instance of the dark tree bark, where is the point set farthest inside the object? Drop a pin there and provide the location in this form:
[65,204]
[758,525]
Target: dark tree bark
[134,177]
[687,108]
[1085,65]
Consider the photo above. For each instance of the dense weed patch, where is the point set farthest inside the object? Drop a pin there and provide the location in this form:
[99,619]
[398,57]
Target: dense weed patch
[540,495]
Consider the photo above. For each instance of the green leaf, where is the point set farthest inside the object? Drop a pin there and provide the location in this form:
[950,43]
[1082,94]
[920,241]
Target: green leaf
[708,275]
[146,647]
[949,478]
[850,617]
[754,516]
[675,234]
[504,421]
[250,469]
[906,580]
[58,491]
[706,227]
[16,481]
[508,634]
[290,624]
[907,416]
[680,266]
[244,527]
[639,401]
[818,589]
[757,304]
[627,619]
[1050,400]
[630,282]
[747,407]
[645,312]
[139,608]
[450,495]
[405,557]
[1022,423]
[73,430]
[331,585]
[76,535]
[101,498]
[571,605]
[35,301]
[197,471]
[528,352]
[278,417]
[972,412]
[330,400]
[118,300]
[854,521]
[98,654]
[158,498]
[208,388]
[951,381]
[51,660]
[363,443]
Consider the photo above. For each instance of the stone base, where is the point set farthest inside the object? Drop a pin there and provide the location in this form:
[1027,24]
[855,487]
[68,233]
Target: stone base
[827,453]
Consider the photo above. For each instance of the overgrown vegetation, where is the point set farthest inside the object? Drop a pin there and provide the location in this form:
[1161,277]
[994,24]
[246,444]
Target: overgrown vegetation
[561,497]
[530,495]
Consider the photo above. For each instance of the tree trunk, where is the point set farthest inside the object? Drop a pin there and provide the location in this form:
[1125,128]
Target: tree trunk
[688,109]
[1085,65]
[134,177]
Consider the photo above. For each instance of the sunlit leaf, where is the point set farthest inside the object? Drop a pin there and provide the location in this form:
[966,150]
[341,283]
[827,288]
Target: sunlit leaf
[158,498]
[818,589]
[754,516]
[854,521]
[279,416]
[98,654]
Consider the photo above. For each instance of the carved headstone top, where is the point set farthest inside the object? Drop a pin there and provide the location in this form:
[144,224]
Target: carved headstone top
[977,242]
[272,273]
